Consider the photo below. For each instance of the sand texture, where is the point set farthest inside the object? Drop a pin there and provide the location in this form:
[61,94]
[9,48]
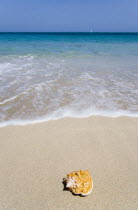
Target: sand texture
[35,158]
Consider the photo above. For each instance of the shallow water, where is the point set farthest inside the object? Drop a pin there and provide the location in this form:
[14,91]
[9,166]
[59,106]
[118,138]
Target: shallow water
[49,76]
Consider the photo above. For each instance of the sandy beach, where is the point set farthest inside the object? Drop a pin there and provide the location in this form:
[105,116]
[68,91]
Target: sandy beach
[35,158]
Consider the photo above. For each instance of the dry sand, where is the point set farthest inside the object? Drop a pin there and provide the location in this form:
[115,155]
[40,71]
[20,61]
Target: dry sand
[35,158]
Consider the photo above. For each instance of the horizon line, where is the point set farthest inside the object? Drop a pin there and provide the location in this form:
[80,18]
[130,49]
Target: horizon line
[68,32]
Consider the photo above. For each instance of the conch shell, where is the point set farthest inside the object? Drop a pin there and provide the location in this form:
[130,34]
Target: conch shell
[79,182]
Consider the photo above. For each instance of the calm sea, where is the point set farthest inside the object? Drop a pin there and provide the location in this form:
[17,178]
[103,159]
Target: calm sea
[47,76]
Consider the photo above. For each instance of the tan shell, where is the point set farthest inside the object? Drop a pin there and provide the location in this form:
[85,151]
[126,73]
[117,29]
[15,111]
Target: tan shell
[79,182]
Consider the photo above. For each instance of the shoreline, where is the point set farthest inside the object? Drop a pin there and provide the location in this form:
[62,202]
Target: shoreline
[35,158]
[48,119]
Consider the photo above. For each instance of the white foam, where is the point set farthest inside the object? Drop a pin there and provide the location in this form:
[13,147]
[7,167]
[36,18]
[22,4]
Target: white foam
[49,83]
[60,114]
[10,99]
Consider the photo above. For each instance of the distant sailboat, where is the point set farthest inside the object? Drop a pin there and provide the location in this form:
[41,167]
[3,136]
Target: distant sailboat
[91,30]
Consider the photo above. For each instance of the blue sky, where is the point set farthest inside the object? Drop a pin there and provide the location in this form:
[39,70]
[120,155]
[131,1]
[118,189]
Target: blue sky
[69,15]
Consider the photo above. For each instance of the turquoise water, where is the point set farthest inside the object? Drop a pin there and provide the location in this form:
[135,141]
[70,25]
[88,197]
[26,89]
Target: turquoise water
[52,75]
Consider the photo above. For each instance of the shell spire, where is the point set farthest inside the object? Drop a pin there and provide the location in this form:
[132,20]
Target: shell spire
[79,182]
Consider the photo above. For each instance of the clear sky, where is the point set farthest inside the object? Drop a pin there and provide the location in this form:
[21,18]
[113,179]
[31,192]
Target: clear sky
[69,15]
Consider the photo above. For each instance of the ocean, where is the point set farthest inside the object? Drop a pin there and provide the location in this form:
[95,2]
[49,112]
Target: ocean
[45,76]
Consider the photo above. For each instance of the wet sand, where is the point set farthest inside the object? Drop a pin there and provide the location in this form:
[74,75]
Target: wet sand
[35,158]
